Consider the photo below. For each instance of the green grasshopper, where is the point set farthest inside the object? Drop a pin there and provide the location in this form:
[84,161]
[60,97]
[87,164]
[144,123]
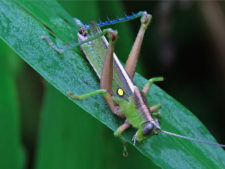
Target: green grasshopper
[123,97]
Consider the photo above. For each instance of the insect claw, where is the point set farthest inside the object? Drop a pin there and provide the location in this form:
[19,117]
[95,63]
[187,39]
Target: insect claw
[125,154]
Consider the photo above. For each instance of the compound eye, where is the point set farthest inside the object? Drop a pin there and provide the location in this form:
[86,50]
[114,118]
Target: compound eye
[120,92]
[148,129]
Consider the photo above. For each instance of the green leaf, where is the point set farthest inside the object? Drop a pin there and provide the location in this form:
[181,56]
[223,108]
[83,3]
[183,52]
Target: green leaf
[11,154]
[21,29]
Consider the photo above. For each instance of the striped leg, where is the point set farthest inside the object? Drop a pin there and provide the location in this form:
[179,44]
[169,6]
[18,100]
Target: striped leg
[82,32]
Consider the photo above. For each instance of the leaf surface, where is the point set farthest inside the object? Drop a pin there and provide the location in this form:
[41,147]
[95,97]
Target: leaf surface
[22,28]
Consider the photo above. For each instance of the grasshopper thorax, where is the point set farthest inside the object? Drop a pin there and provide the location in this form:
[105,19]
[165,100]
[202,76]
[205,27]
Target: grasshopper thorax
[150,126]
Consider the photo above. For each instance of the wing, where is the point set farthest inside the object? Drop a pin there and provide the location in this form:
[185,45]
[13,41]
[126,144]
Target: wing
[120,77]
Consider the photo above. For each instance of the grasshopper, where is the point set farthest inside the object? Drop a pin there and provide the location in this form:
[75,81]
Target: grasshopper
[123,97]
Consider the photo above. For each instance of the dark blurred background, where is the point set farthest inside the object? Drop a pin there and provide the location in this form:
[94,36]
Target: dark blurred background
[185,43]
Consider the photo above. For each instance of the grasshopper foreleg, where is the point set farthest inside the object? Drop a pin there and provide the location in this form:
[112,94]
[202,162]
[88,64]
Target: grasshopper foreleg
[155,108]
[122,128]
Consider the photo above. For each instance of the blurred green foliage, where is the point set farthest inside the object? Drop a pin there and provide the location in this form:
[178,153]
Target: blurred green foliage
[12,153]
[49,125]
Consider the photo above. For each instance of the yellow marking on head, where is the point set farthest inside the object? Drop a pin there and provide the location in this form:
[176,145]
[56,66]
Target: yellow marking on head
[120,92]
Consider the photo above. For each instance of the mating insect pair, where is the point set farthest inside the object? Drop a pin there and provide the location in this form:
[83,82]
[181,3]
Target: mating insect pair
[124,98]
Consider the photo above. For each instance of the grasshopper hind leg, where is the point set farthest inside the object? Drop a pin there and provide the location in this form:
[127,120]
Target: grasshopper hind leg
[134,53]
[54,46]
[107,74]
[82,32]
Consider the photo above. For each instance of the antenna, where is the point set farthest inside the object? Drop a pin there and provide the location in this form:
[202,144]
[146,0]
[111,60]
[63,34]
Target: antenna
[117,20]
[193,139]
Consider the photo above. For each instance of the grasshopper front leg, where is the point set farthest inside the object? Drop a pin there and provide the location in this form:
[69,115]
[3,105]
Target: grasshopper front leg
[122,128]
[155,108]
